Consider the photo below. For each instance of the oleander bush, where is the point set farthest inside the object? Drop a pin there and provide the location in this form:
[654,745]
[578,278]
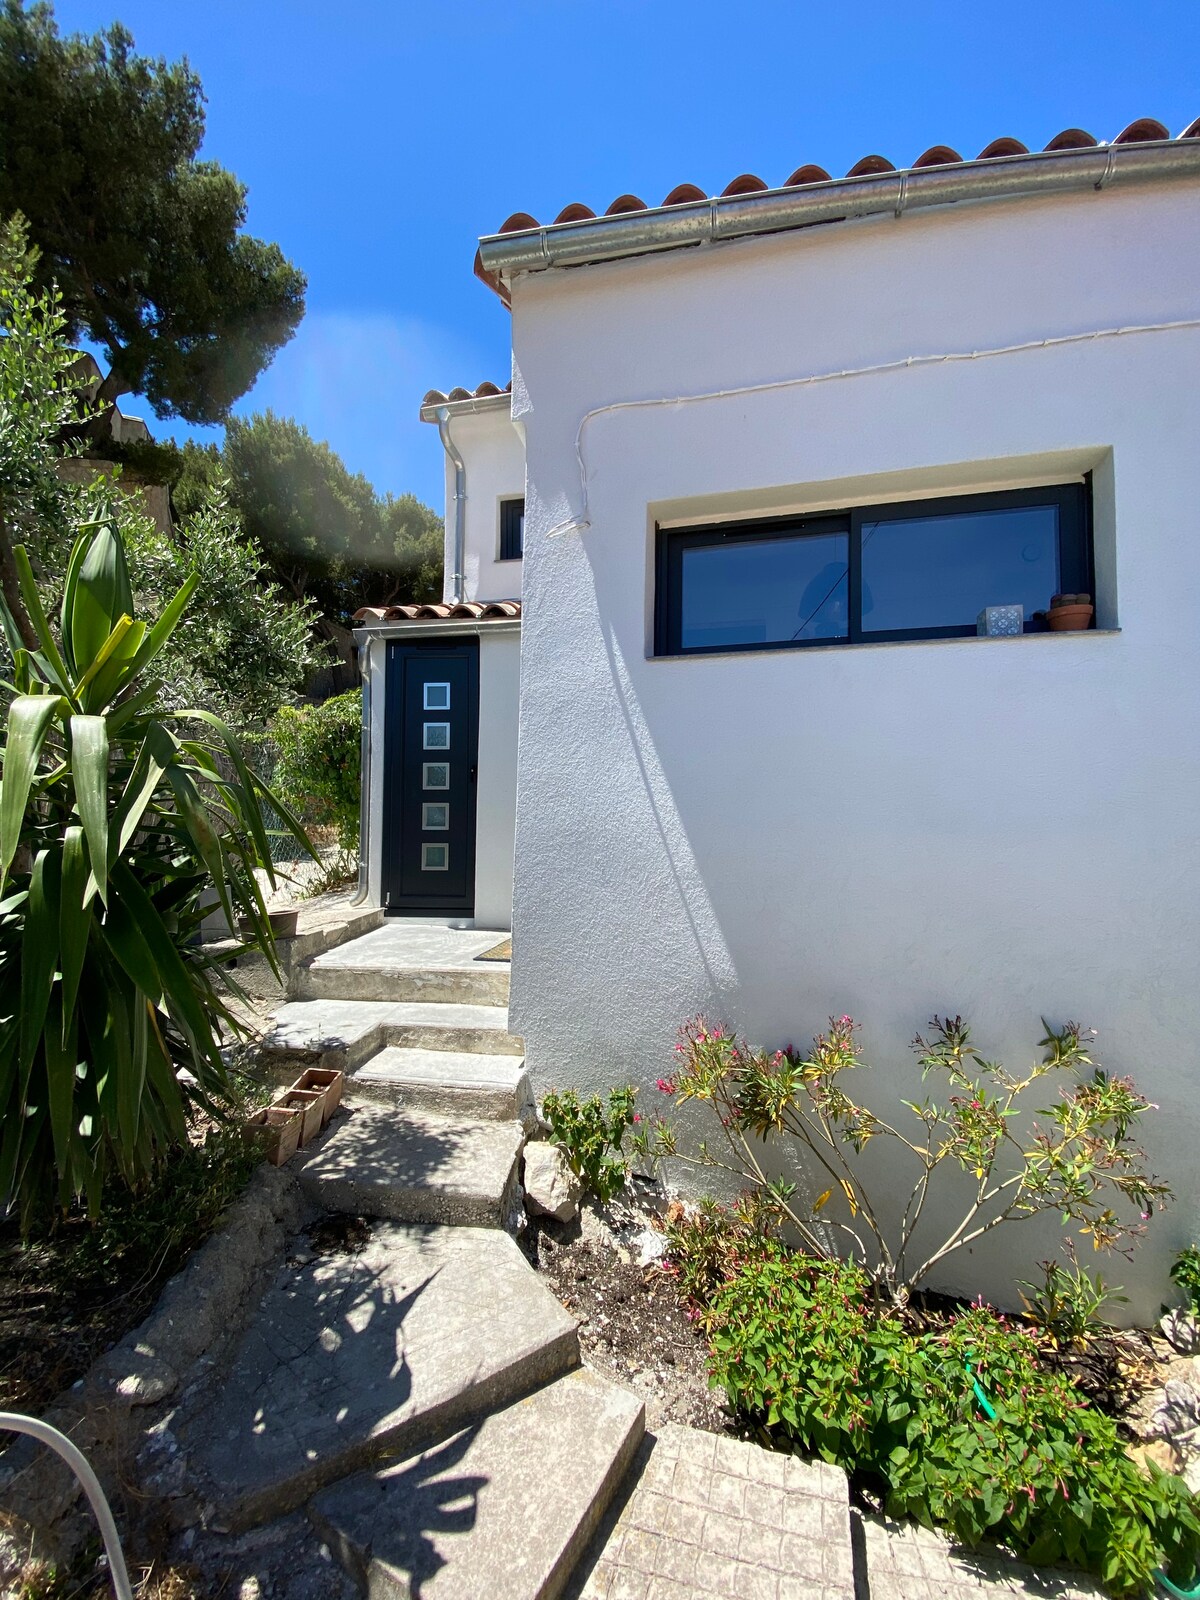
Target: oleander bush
[1076,1157]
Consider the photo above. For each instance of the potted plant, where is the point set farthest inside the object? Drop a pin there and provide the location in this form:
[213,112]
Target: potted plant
[1069,613]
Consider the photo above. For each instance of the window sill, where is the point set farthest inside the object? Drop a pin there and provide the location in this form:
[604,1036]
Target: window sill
[967,641]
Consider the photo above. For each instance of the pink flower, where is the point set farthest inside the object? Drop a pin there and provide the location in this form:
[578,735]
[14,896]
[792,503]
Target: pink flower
[637,1116]
[666,1085]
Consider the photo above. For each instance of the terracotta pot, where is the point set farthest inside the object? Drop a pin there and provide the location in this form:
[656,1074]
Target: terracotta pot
[327,1082]
[1068,619]
[280,1128]
[311,1105]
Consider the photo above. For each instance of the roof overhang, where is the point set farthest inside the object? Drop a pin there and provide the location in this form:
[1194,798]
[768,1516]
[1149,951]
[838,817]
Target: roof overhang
[645,231]
[450,628]
[499,401]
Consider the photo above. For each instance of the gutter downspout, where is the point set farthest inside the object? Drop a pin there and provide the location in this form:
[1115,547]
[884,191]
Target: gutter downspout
[364,781]
[457,582]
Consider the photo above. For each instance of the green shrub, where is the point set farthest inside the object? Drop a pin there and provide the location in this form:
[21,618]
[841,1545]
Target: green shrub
[1069,1301]
[961,1427]
[707,1246]
[1185,1272]
[591,1134]
[320,757]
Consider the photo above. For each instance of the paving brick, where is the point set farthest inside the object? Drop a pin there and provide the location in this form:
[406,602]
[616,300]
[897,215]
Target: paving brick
[905,1562]
[713,1516]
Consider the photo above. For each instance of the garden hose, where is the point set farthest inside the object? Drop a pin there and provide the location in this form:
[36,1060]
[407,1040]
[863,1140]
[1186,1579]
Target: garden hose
[14,1422]
[988,1409]
[1173,1589]
[1160,1576]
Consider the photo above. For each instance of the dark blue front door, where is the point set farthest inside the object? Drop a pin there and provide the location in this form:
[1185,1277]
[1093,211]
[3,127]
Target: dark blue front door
[431,737]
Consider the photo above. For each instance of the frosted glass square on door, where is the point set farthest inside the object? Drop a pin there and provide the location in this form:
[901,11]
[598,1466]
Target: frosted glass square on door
[435,817]
[437,736]
[437,697]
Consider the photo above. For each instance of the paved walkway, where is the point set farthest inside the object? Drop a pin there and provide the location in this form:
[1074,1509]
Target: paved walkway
[715,1516]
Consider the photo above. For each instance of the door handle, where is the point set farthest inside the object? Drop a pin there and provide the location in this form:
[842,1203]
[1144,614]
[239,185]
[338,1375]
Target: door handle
[474,770]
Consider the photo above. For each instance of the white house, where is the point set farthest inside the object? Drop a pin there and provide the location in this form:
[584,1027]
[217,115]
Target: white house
[777,450]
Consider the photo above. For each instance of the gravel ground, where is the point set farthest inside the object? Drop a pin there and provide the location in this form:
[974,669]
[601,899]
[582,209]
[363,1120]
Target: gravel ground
[633,1329]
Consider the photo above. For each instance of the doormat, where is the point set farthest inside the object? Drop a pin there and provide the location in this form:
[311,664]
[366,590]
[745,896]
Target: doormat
[500,952]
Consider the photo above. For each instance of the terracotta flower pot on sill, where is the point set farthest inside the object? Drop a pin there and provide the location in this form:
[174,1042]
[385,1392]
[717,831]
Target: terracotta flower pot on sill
[1069,619]
[279,1127]
[328,1082]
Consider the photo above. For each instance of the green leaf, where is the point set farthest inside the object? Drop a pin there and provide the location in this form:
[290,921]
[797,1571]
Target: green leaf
[74,917]
[102,595]
[166,624]
[89,769]
[29,719]
[57,672]
[39,952]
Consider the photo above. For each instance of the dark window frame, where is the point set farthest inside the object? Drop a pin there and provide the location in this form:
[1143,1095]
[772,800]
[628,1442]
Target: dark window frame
[512,529]
[1076,567]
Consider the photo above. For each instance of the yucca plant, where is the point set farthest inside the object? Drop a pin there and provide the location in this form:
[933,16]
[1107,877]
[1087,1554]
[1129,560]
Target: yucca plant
[119,828]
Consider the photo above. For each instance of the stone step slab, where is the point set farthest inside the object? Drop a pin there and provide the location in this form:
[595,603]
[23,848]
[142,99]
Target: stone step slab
[344,1034]
[503,1509]
[484,985]
[416,1166]
[379,1351]
[405,961]
[449,1082]
[715,1516]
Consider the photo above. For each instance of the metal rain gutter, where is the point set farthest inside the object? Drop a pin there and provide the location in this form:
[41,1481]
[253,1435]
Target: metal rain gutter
[457,582]
[635,233]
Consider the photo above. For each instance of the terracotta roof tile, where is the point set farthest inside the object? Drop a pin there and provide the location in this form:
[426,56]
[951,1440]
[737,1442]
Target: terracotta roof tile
[807,174]
[624,203]
[435,397]
[1072,139]
[1002,147]
[748,183]
[682,193]
[1145,128]
[938,155]
[869,166]
[465,610]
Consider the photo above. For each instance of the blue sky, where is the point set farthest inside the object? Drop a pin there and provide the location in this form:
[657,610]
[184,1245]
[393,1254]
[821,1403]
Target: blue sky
[379,138]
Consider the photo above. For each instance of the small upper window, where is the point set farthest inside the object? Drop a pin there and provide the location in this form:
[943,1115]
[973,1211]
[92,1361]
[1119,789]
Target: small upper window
[913,570]
[512,529]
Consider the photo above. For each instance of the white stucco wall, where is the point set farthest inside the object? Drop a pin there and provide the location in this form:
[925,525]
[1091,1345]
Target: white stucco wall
[494,455]
[496,779]
[1006,829]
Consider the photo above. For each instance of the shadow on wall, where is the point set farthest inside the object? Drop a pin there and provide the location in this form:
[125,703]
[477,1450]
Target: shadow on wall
[693,896]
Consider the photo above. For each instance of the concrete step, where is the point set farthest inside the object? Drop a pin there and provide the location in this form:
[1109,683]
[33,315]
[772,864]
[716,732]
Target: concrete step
[378,1350]
[408,962]
[416,1166]
[503,1509]
[345,1033]
[448,1082]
